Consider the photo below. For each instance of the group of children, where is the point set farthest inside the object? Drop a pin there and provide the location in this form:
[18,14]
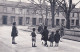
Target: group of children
[44,32]
[52,38]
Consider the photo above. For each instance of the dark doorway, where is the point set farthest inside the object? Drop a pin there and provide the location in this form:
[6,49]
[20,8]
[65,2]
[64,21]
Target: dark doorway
[12,19]
[77,22]
[4,20]
[33,21]
[20,20]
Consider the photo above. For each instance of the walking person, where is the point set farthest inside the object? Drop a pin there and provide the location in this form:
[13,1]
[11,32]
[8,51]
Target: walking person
[33,34]
[45,35]
[51,39]
[14,33]
[57,38]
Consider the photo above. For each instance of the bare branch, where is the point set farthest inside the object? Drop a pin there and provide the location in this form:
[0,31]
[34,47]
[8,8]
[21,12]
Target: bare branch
[74,6]
[78,3]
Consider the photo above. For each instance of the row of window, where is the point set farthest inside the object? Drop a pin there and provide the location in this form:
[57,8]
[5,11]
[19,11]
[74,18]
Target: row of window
[20,21]
[75,14]
[18,10]
[28,11]
[21,10]
[58,22]
[73,22]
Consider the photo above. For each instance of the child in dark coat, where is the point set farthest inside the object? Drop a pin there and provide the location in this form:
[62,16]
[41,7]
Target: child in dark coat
[51,39]
[33,34]
[14,33]
[57,38]
[45,35]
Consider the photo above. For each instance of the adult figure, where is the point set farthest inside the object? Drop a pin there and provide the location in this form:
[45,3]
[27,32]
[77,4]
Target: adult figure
[40,28]
[45,35]
[14,33]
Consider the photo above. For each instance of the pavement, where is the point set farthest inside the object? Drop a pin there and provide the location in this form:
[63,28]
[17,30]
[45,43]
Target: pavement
[24,43]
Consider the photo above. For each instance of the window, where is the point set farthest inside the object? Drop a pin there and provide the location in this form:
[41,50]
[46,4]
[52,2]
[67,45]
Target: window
[40,20]
[63,21]
[27,20]
[4,19]
[77,22]
[57,22]
[12,19]
[46,21]
[28,12]
[72,22]
[20,20]
[33,21]
[4,9]
[73,15]
[20,11]
[13,10]
[77,14]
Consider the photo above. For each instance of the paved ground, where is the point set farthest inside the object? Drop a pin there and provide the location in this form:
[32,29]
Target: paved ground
[24,42]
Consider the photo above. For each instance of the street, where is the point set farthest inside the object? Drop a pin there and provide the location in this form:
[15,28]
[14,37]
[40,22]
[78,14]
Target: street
[24,43]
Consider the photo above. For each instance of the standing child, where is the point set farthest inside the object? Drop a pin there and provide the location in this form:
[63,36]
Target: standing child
[57,38]
[33,38]
[45,35]
[14,33]
[51,39]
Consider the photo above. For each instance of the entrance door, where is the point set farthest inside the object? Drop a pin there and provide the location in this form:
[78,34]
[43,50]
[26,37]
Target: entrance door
[20,20]
[12,19]
[33,21]
[4,20]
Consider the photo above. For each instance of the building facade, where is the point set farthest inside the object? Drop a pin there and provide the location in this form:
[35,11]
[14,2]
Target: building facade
[25,14]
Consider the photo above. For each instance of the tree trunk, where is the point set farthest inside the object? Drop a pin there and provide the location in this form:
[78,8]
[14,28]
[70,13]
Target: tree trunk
[52,11]
[68,21]
[52,17]
[46,20]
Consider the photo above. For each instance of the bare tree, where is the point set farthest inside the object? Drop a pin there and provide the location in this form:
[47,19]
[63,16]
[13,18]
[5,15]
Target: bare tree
[67,8]
[52,3]
[42,7]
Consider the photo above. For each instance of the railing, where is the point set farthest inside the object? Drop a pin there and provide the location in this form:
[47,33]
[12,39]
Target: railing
[73,32]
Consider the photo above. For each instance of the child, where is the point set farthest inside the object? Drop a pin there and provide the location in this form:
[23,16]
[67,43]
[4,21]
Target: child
[57,38]
[51,39]
[14,33]
[33,38]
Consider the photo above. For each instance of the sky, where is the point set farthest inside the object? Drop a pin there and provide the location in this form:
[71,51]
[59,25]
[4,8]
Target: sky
[74,1]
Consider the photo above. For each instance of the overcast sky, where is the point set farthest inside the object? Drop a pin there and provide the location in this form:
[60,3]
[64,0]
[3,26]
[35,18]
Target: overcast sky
[74,1]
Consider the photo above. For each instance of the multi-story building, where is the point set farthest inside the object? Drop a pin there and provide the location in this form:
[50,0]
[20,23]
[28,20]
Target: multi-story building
[28,14]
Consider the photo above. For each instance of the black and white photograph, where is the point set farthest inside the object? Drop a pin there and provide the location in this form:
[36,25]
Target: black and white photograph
[39,25]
